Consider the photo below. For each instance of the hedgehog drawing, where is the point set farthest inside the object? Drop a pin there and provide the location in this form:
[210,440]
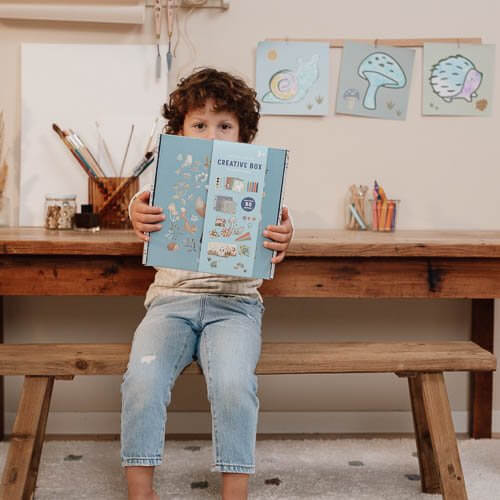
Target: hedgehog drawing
[455,77]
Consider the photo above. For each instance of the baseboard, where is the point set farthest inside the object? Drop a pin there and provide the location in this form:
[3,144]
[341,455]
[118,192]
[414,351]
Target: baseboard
[335,422]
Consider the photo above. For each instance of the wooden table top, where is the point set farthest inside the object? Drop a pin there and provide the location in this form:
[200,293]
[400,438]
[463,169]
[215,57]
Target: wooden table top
[306,243]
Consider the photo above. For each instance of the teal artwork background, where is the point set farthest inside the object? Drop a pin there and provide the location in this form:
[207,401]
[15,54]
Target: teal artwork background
[354,91]
[292,78]
[483,59]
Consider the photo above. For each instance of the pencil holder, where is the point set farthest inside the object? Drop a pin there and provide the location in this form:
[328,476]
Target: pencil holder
[115,215]
[384,216]
[356,209]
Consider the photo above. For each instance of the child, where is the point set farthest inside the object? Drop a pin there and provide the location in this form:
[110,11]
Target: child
[213,319]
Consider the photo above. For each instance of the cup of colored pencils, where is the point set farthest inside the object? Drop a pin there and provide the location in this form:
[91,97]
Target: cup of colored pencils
[384,210]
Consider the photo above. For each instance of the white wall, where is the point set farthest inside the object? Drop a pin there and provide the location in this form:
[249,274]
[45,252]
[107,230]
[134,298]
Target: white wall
[444,170]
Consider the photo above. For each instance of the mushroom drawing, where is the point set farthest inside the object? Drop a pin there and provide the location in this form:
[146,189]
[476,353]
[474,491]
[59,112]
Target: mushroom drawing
[380,70]
[351,96]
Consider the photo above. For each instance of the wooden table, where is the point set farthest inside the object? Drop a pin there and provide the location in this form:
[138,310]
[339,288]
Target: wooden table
[320,263]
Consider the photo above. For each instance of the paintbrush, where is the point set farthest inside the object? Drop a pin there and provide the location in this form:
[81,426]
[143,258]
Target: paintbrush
[170,11]
[86,167]
[157,15]
[86,153]
[126,149]
[151,135]
[106,150]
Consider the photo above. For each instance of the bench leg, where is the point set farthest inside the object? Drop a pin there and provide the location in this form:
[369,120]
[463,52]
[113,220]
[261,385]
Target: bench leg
[428,468]
[442,433]
[23,458]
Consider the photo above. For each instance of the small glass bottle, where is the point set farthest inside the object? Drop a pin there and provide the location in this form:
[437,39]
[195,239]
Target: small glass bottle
[87,220]
[60,211]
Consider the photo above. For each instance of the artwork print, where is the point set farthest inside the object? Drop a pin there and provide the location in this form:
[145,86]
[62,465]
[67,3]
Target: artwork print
[458,79]
[374,81]
[293,78]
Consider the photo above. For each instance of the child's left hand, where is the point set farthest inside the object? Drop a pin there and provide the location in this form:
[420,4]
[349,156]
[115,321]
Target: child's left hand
[281,236]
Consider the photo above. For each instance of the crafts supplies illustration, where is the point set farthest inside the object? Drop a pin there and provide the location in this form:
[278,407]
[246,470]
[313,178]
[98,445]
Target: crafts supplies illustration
[458,79]
[384,210]
[217,196]
[374,80]
[293,78]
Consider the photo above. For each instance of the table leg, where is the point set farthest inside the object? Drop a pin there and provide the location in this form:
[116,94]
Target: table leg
[2,436]
[481,394]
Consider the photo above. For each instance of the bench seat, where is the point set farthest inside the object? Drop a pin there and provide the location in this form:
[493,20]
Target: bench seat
[276,358]
[423,363]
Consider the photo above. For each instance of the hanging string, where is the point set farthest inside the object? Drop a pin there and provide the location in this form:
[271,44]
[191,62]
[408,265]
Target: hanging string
[184,34]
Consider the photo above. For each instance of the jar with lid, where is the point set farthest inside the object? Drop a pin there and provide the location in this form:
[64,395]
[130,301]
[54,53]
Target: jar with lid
[60,211]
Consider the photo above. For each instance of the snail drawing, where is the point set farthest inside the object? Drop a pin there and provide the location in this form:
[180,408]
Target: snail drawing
[455,78]
[380,70]
[287,86]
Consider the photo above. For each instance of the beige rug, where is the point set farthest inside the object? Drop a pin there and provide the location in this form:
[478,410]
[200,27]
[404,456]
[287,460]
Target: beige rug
[354,469]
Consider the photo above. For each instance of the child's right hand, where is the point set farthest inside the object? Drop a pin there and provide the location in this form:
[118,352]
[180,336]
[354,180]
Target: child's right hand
[145,219]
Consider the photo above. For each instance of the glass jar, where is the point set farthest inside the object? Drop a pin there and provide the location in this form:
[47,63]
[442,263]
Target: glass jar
[60,211]
[356,213]
[384,216]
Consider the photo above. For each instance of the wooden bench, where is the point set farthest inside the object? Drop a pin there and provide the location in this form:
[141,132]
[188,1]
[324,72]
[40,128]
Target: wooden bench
[422,363]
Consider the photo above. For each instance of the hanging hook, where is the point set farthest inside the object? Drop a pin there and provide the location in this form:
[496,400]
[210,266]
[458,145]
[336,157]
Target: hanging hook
[376,43]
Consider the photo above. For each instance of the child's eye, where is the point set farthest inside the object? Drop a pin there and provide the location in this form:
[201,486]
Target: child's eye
[199,126]
[226,126]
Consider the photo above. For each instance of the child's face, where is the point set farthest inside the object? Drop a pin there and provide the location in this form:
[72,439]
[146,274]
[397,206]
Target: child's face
[205,123]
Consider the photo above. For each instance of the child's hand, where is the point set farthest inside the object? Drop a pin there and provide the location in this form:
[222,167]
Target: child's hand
[145,219]
[281,236]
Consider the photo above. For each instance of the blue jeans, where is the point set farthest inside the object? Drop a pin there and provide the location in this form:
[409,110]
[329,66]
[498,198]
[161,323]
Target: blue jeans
[223,334]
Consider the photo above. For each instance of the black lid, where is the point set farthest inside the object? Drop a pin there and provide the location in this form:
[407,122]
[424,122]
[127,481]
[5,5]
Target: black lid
[87,209]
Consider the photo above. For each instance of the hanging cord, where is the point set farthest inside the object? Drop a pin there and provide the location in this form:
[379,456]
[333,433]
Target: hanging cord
[183,33]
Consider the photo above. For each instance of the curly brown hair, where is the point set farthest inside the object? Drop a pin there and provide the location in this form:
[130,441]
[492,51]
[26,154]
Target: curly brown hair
[229,93]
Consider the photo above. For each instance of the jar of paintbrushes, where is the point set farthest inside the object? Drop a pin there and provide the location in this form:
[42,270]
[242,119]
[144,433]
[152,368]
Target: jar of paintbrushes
[109,196]
[356,208]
